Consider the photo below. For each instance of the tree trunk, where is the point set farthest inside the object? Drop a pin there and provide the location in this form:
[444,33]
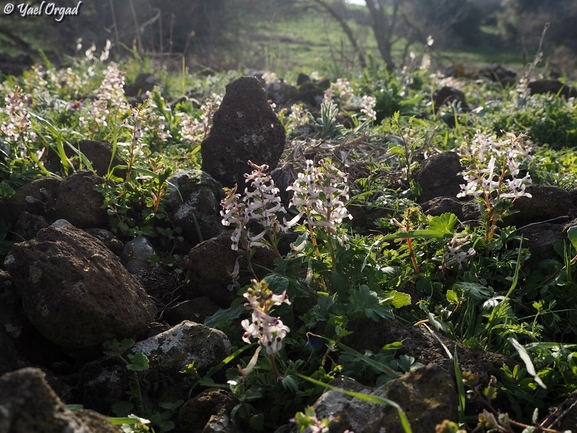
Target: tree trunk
[383,29]
[348,31]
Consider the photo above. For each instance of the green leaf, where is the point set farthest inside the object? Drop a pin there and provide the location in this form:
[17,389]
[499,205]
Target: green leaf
[528,363]
[122,408]
[277,283]
[444,223]
[228,315]
[115,348]
[370,361]
[572,235]
[171,405]
[452,297]
[257,421]
[339,283]
[460,386]
[398,299]
[138,362]
[475,290]
[290,382]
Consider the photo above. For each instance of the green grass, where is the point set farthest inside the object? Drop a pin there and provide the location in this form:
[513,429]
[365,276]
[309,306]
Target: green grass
[314,41]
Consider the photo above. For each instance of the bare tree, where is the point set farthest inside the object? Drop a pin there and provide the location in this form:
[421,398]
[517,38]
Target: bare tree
[384,28]
[346,28]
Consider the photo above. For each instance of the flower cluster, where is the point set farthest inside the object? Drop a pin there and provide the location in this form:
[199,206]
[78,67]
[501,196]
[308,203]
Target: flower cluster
[153,123]
[456,252]
[308,420]
[342,89]
[268,330]
[495,167]
[270,77]
[193,129]
[298,117]
[260,203]
[318,196]
[493,175]
[18,127]
[368,107]
[110,95]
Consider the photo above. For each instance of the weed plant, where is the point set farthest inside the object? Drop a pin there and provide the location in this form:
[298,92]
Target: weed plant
[300,322]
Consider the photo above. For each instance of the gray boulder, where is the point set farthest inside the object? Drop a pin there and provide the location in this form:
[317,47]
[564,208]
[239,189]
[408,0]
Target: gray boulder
[427,395]
[106,380]
[184,344]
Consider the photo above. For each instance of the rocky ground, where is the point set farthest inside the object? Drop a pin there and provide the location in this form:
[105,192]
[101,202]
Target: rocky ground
[68,285]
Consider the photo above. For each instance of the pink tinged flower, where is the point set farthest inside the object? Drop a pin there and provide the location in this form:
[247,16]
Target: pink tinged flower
[455,253]
[18,128]
[319,194]
[268,330]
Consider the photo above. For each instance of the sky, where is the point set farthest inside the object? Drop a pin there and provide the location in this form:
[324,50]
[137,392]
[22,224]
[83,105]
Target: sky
[356,2]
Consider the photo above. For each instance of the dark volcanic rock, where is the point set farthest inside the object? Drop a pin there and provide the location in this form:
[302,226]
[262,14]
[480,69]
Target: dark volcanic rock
[145,82]
[546,202]
[30,405]
[554,87]
[449,95]
[196,310]
[440,176]
[99,153]
[106,380]
[194,205]
[210,269]
[244,128]
[75,291]
[464,210]
[211,407]
[15,65]
[37,198]
[79,203]
[427,395]
[28,225]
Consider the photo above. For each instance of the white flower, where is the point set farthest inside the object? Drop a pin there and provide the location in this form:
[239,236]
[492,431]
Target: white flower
[319,194]
[268,330]
[455,253]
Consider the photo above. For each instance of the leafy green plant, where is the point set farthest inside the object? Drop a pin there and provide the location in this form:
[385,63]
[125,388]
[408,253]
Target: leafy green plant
[139,365]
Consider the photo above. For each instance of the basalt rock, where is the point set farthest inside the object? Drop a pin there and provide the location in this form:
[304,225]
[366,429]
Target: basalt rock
[99,153]
[208,411]
[439,176]
[79,203]
[449,95]
[194,205]
[37,197]
[30,405]
[546,203]
[106,380]
[244,128]
[427,395]
[75,291]
[211,266]
[554,87]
